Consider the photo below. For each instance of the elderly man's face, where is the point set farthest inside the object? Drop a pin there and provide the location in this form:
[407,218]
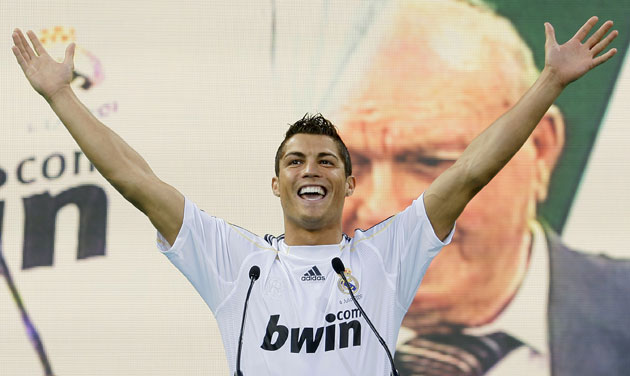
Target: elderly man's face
[409,123]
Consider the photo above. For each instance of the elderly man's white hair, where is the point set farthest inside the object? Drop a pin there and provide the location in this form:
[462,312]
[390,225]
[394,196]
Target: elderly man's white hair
[464,34]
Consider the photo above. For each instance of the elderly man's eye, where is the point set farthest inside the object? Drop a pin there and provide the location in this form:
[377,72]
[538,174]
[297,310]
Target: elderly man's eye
[430,161]
[360,163]
[424,163]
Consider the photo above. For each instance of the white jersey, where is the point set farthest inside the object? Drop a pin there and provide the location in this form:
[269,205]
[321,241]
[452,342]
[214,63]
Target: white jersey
[300,317]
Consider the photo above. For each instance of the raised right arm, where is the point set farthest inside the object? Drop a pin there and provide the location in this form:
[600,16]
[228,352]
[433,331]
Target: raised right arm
[122,166]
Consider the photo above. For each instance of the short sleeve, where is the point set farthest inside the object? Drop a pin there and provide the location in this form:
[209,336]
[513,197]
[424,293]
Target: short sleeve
[423,245]
[209,252]
[407,244]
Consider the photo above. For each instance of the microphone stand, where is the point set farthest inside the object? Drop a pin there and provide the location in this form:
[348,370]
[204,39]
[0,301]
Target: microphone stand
[339,269]
[254,273]
[30,328]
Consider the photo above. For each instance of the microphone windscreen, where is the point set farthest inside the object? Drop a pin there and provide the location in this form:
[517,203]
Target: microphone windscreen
[254,272]
[337,265]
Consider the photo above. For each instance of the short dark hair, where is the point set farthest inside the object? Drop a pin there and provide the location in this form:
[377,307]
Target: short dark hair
[318,125]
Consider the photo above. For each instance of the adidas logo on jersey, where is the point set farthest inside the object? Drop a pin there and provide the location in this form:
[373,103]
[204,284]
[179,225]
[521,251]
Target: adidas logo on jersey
[313,275]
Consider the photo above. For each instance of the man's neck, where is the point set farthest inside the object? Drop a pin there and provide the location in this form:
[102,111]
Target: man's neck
[294,235]
[512,286]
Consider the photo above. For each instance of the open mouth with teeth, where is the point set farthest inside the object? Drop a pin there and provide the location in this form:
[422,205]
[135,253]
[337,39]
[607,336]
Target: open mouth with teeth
[312,192]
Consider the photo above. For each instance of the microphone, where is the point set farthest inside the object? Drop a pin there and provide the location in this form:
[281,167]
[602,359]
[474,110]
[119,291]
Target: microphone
[254,273]
[36,340]
[339,268]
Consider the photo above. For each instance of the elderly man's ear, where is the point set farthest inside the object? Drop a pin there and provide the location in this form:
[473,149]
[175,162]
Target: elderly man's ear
[548,139]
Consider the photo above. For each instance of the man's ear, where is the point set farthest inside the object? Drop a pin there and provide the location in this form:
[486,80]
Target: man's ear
[548,140]
[350,185]
[274,186]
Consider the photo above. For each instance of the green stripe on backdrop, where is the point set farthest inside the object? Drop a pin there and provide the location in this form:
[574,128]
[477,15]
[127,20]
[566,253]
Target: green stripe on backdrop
[584,103]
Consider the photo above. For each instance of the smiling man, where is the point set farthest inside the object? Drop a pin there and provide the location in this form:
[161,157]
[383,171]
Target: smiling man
[313,195]
[301,320]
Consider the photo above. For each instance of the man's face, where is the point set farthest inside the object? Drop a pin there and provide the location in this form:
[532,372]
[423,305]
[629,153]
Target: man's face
[311,182]
[410,122]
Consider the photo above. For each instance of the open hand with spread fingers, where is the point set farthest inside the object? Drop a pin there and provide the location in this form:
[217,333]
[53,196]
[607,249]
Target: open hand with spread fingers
[571,60]
[46,75]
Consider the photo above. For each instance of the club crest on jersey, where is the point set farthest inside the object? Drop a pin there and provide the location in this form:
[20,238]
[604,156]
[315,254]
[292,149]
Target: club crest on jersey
[353,283]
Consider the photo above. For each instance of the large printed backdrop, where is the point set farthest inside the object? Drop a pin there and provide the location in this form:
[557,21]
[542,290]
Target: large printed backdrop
[204,90]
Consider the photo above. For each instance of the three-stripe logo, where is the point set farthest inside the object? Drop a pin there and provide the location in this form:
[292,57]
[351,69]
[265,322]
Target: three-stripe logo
[313,274]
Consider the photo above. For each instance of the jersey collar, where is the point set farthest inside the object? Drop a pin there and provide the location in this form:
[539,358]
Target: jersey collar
[313,252]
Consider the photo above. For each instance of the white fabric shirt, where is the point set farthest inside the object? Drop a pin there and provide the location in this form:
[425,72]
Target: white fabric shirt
[525,318]
[300,318]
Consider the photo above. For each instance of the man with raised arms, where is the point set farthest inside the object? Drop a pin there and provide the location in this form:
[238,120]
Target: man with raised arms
[300,320]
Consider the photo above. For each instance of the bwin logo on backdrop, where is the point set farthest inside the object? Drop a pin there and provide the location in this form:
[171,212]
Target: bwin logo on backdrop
[88,70]
[36,172]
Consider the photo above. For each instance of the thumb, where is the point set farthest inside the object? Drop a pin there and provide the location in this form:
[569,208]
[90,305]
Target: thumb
[550,35]
[69,54]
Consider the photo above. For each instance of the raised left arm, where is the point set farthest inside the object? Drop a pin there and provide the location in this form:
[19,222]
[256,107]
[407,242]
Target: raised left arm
[486,155]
